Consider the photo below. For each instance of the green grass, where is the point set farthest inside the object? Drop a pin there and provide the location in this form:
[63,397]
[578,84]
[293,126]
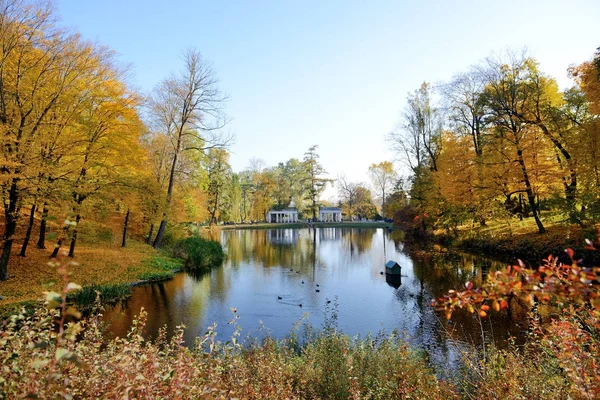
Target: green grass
[107,293]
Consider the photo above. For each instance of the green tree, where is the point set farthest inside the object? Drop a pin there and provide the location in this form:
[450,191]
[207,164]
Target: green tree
[314,182]
[219,175]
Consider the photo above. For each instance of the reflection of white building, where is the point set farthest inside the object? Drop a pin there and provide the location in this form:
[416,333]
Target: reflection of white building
[282,216]
[282,236]
[330,214]
[330,234]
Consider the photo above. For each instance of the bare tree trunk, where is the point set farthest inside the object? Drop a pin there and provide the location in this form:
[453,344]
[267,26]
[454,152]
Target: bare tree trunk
[11,213]
[29,229]
[74,237]
[125,224]
[163,223]
[41,244]
[529,191]
[149,239]
[383,205]
[59,243]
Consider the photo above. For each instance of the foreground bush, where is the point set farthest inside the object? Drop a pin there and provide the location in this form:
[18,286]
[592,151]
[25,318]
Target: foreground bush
[38,360]
[199,253]
[562,359]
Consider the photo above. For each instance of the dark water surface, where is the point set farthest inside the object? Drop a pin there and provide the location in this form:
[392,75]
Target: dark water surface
[345,263]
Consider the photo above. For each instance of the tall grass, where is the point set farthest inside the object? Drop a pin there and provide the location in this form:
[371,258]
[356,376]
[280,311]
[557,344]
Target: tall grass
[39,360]
[86,297]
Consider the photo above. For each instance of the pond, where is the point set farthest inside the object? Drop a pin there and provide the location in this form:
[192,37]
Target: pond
[275,278]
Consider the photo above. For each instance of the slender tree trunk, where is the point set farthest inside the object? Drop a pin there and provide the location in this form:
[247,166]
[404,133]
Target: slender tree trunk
[61,239]
[383,206]
[163,223]
[529,191]
[29,229]
[521,207]
[149,239]
[11,214]
[74,237]
[571,187]
[125,224]
[41,244]
[160,234]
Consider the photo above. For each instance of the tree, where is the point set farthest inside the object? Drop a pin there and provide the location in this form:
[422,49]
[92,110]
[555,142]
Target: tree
[418,141]
[507,98]
[39,65]
[383,178]
[347,192]
[463,99]
[219,173]
[587,76]
[364,203]
[188,109]
[314,181]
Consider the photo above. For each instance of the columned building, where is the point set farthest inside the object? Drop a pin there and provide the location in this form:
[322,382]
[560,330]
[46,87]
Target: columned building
[330,214]
[287,215]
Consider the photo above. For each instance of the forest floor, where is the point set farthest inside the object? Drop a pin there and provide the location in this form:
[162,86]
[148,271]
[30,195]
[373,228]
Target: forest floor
[520,239]
[98,264]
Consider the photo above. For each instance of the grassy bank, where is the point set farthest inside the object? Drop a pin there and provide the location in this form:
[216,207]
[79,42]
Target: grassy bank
[521,240]
[264,225]
[106,268]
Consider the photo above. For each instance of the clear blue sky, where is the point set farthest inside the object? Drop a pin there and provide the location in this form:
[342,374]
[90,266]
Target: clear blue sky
[332,73]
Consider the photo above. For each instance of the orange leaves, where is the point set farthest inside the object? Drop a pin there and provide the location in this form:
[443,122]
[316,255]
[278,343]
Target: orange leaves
[552,283]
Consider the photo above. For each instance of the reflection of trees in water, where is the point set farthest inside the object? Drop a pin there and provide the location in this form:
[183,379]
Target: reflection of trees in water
[297,250]
[438,272]
[165,307]
[357,240]
[268,249]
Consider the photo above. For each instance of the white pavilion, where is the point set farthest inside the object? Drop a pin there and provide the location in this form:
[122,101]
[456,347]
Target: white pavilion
[330,214]
[282,216]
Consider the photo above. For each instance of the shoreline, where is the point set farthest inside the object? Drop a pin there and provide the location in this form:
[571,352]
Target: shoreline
[297,225]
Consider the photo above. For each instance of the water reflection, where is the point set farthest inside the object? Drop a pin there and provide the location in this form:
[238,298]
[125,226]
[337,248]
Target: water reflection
[269,273]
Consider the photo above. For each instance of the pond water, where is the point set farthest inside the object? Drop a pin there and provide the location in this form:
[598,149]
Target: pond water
[269,273]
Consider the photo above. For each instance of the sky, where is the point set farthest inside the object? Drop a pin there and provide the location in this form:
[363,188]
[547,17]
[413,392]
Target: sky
[329,73]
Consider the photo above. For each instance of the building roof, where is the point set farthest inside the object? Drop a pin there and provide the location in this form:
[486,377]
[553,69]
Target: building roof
[330,209]
[392,264]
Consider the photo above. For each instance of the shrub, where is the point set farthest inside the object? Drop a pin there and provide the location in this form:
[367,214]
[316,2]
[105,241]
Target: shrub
[199,253]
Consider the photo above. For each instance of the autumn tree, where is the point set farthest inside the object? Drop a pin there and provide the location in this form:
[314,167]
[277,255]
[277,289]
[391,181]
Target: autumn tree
[108,151]
[39,65]
[364,206]
[347,193]
[219,174]
[188,109]
[507,97]
[383,177]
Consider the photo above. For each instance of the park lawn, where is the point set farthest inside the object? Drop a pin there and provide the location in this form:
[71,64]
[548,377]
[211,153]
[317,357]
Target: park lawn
[101,263]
